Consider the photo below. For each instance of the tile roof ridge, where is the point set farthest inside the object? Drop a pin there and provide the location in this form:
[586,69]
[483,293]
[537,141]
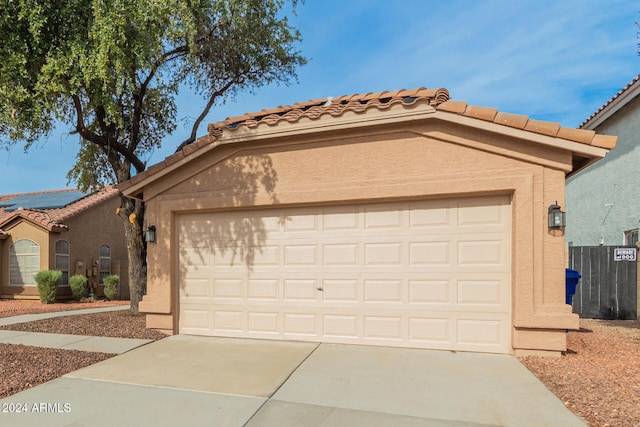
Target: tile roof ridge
[523,122]
[334,106]
[610,101]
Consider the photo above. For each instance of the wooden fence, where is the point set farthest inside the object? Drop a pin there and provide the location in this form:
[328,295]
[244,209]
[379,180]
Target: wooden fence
[608,288]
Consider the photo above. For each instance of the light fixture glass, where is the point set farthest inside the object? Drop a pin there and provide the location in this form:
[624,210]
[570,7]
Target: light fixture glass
[150,234]
[557,218]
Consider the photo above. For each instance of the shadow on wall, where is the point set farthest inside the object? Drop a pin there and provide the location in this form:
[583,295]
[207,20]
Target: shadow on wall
[227,237]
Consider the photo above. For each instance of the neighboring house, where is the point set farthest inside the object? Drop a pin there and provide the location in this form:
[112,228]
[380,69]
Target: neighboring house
[603,201]
[65,230]
[396,218]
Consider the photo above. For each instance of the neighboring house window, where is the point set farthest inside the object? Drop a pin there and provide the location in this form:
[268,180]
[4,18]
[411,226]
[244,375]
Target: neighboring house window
[105,262]
[24,262]
[631,237]
[62,260]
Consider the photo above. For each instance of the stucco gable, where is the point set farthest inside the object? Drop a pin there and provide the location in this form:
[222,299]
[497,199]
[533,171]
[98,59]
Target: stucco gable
[353,111]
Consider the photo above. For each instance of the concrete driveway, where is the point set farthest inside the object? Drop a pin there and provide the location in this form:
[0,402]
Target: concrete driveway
[202,381]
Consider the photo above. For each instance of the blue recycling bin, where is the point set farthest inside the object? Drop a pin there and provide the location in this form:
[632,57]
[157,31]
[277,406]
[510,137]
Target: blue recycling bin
[572,277]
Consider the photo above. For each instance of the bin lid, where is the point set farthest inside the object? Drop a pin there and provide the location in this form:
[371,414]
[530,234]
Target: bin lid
[572,274]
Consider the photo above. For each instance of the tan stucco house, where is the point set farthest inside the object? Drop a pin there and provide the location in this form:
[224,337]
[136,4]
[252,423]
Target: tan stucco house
[65,230]
[398,219]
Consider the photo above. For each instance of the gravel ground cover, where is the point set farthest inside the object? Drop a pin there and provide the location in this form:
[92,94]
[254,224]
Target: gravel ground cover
[23,367]
[598,378]
[10,307]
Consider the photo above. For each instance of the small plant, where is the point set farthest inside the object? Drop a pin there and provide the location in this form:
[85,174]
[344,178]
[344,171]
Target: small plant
[78,285]
[47,281]
[111,285]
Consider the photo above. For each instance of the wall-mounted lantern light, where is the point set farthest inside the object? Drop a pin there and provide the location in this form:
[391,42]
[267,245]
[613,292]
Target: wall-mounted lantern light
[557,218]
[150,234]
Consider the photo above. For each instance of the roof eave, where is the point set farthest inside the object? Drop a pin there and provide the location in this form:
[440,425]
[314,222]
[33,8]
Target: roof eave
[613,106]
[586,150]
[50,227]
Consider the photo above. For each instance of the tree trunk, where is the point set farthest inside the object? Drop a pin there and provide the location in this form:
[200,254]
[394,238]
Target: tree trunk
[132,214]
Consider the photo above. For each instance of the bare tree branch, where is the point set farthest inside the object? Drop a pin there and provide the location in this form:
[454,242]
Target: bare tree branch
[212,99]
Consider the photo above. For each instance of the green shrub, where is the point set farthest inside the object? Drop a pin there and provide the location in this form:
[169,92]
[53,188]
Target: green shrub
[47,281]
[78,285]
[111,285]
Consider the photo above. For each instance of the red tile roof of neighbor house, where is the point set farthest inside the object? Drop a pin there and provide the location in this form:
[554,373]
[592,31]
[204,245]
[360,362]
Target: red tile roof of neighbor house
[436,98]
[622,92]
[53,219]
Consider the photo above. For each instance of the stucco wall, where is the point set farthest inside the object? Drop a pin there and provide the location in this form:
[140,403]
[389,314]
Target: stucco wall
[603,201]
[430,159]
[98,225]
[89,230]
[22,230]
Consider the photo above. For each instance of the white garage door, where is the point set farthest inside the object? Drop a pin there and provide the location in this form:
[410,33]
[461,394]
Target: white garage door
[425,274]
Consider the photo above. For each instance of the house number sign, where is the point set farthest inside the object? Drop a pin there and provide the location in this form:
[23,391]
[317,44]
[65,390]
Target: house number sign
[625,254]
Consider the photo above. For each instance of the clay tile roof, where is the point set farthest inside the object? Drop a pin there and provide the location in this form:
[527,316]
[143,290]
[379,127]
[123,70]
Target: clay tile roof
[359,103]
[53,219]
[615,97]
[315,108]
[524,122]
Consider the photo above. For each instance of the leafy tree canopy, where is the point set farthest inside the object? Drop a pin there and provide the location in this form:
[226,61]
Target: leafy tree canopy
[110,70]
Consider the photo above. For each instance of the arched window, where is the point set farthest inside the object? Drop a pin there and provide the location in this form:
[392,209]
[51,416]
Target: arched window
[62,260]
[105,261]
[24,262]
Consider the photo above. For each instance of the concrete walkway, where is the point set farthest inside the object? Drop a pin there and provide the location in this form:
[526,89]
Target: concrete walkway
[207,381]
[22,318]
[65,341]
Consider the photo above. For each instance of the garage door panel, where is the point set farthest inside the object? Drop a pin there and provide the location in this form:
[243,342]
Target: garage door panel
[301,324]
[301,254]
[383,327]
[389,291]
[297,290]
[429,291]
[196,320]
[340,290]
[481,252]
[481,292]
[263,289]
[430,253]
[341,220]
[342,254]
[477,332]
[341,326]
[431,215]
[231,288]
[301,222]
[427,274]
[376,254]
[197,288]
[263,322]
[381,218]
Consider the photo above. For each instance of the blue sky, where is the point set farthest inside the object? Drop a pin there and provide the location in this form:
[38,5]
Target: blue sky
[548,59]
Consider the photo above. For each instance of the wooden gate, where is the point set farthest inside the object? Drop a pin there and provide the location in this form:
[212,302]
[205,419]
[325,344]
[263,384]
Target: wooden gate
[608,288]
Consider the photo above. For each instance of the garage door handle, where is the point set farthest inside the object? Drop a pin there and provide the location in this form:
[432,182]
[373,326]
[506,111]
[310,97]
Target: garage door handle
[320,288]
